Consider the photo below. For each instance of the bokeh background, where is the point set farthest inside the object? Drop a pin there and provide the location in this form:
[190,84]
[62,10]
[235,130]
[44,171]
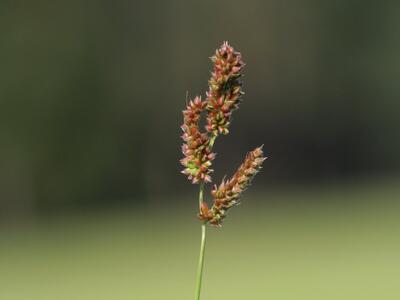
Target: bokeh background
[92,204]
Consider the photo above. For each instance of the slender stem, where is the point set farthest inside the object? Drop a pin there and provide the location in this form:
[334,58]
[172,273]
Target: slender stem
[202,249]
[201,195]
[212,140]
[200,265]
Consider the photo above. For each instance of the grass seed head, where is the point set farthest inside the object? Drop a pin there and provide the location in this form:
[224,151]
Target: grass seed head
[224,94]
[196,148]
[227,194]
[223,97]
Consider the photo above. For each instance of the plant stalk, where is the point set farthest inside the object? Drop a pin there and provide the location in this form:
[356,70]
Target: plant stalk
[200,265]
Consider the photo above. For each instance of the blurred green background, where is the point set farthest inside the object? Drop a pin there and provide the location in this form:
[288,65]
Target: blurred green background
[92,204]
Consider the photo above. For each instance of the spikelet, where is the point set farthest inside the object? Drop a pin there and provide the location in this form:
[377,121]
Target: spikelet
[196,148]
[225,92]
[227,195]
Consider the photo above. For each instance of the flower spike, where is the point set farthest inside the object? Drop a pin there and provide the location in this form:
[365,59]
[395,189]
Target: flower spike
[225,91]
[196,148]
[222,98]
[227,195]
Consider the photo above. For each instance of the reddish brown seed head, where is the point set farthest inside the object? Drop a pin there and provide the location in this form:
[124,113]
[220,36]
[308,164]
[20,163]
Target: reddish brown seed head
[224,94]
[196,149]
[227,194]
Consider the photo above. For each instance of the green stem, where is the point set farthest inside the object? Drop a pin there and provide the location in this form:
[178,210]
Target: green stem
[212,140]
[200,265]
[202,249]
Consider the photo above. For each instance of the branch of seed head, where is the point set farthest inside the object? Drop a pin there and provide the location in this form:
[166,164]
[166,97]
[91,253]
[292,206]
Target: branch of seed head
[197,145]
[225,91]
[227,195]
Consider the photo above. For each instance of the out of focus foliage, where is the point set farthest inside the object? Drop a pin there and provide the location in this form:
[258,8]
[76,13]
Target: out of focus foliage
[92,92]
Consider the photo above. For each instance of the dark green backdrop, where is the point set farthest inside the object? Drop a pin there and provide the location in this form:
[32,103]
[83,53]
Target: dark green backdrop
[92,91]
